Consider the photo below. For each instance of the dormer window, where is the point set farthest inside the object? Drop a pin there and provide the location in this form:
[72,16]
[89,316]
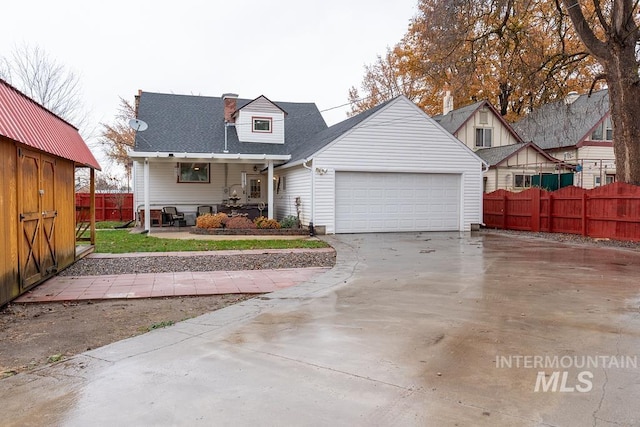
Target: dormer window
[262,124]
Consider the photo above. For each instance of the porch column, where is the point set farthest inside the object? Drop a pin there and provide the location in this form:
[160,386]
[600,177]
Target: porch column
[270,210]
[147,210]
[92,205]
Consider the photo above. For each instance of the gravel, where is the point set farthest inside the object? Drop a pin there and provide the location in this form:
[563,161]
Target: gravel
[165,264]
[569,238]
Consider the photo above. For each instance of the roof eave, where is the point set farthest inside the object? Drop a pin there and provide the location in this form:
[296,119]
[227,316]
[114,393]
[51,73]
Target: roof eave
[219,156]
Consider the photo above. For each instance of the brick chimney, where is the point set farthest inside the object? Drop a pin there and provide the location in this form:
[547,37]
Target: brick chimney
[230,106]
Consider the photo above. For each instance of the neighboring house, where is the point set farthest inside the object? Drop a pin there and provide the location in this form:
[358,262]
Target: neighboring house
[478,126]
[517,167]
[578,131]
[391,168]
[513,165]
[39,153]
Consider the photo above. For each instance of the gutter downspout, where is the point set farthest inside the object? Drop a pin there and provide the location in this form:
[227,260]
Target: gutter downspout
[313,201]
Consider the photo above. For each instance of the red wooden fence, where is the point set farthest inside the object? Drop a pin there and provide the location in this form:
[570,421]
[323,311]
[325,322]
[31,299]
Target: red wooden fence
[109,206]
[611,211]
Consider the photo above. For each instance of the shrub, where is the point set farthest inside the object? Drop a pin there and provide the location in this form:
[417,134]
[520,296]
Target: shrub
[208,221]
[290,221]
[262,222]
[223,217]
[239,222]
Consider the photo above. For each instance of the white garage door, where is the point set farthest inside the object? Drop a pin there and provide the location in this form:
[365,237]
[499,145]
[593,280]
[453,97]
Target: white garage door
[385,202]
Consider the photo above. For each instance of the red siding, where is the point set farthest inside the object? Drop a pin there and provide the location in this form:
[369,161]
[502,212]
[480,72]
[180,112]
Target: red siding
[25,121]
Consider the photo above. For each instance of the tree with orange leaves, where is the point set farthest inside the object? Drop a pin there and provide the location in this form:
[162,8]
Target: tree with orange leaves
[518,54]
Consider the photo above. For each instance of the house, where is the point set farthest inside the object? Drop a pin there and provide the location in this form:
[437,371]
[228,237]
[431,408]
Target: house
[39,153]
[576,130]
[513,165]
[517,167]
[391,168]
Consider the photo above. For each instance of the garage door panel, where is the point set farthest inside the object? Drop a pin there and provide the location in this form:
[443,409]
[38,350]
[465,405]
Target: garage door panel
[379,202]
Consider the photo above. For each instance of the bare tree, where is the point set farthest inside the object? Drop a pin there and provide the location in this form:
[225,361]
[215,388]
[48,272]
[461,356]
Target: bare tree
[40,77]
[118,138]
[609,30]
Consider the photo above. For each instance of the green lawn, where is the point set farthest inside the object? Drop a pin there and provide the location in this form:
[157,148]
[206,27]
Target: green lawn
[122,241]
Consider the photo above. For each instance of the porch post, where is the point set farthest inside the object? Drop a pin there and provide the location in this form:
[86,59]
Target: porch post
[147,210]
[270,210]
[92,205]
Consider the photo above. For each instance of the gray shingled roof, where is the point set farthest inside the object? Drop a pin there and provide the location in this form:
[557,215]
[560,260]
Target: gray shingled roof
[495,155]
[559,125]
[330,134]
[195,124]
[453,120]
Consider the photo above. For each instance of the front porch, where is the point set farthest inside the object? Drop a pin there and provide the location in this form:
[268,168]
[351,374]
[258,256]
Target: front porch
[234,184]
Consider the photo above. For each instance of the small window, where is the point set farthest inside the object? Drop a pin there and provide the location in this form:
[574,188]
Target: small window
[483,137]
[522,181]
[484,117]
[262,124]
[608,179]
[603,132]
[193,172]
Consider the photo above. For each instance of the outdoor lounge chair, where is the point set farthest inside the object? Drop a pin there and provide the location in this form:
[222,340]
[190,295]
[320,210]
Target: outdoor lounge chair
[172,215]
[205,210]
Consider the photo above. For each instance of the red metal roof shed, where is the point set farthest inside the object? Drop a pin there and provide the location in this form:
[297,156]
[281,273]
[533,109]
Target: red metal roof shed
[25,121]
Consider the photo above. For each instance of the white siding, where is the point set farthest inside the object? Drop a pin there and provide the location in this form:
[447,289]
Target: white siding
[298,185]
[260,108]
[164,189]
[596,161]
[500,133]
[399,138]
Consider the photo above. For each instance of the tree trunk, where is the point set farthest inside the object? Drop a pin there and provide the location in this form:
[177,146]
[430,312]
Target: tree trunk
[624,101]
[616,52]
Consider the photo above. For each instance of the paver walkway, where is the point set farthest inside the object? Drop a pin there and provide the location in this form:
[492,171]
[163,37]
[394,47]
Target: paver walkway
[146,285]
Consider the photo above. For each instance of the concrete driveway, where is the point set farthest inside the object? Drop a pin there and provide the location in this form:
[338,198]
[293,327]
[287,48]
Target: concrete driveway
[439,329]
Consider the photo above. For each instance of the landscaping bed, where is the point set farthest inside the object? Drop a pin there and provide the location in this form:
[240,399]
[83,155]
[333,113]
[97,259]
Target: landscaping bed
[250,231]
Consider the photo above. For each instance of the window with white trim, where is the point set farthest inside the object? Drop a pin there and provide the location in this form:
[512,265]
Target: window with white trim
[483,137]
[522,181]
[608,179]
[193,172]
[603,132]
[262,124]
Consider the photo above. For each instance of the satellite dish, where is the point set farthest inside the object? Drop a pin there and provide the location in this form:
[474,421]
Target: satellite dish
[138,125]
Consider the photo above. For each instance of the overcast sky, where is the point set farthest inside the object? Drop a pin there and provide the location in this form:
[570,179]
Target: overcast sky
[287,50]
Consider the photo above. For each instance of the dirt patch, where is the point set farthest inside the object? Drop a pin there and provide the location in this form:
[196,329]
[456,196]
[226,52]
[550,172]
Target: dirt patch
[32,335]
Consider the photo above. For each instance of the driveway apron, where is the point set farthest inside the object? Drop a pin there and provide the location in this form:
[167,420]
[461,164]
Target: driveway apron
[408,329]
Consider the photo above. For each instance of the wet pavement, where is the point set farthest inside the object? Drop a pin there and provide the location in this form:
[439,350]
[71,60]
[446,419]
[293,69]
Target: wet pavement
[438,329]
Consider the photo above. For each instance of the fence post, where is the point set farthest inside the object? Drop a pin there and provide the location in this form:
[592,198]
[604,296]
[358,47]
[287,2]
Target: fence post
[549,211]
[584,213]
[504,211]
[535,210]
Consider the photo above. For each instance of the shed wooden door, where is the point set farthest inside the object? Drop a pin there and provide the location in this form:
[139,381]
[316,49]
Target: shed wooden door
[37,214]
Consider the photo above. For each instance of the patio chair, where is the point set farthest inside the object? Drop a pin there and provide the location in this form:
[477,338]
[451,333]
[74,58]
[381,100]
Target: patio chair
[205,210]
[172,215]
